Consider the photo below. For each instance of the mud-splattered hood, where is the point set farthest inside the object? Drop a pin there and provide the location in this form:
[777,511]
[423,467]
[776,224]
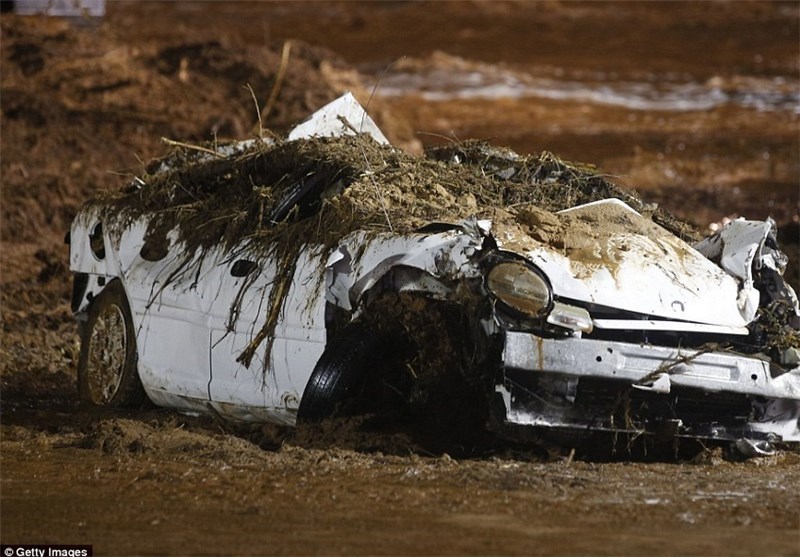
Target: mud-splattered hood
[607,254]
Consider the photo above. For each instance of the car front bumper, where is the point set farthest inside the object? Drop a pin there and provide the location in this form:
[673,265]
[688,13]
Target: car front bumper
[599,385]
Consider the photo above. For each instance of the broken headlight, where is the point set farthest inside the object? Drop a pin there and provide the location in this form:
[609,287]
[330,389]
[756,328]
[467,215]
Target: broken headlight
[521,288]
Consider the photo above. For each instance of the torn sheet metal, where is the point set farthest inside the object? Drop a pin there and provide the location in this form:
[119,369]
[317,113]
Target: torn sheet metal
[344,116]
[742,249]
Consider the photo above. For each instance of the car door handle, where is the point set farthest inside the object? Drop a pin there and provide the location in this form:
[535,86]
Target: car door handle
[242,268]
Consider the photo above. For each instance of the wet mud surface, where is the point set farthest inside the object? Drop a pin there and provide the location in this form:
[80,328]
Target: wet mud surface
[157,484]
[696,107]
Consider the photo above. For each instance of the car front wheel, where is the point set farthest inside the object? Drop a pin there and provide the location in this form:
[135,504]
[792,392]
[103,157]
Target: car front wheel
[341,373]
[107,371]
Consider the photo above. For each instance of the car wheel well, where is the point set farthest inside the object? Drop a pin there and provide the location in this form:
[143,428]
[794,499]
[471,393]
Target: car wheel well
[108,373]
[408,358]
[399,279]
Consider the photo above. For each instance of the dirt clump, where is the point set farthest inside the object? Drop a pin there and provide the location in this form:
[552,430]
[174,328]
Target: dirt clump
[169,439]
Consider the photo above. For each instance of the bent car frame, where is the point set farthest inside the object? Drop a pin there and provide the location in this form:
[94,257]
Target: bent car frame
[283,280]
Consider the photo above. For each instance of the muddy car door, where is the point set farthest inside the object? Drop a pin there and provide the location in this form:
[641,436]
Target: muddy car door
[170,300]
[267,331]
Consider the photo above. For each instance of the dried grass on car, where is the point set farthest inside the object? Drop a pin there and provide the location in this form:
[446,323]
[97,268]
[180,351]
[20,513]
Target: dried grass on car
[361,185]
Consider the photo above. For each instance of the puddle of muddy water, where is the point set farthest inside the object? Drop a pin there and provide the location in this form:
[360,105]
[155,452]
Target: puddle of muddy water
[444,77]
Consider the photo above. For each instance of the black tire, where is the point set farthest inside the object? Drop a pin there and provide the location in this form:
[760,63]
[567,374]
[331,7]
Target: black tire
[341,373]
[107,370]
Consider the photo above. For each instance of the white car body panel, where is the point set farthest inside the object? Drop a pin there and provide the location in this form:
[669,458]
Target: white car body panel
[647,325]
[344,116]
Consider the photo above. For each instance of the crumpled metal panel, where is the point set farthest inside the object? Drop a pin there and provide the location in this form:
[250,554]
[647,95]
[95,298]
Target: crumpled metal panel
[774,400]
[740,249]
[362,260]
[643,365]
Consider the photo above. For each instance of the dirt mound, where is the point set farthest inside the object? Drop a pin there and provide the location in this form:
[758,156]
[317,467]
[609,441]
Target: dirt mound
[121,437]
[80,102]
[187,439]
[353,433]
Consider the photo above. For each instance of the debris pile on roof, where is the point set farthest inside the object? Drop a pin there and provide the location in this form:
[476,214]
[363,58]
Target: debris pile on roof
[351,183]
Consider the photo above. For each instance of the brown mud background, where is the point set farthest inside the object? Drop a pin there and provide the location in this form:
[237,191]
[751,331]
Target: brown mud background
[85,102]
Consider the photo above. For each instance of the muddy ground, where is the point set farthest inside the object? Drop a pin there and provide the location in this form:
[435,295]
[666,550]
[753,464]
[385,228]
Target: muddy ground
[694,104]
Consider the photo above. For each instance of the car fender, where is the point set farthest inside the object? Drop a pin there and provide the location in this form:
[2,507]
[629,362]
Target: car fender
[362,261]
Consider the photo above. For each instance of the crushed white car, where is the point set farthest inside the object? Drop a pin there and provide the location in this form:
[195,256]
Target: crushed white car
[296,279]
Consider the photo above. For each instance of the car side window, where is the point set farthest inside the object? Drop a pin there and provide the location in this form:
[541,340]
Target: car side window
[304,198]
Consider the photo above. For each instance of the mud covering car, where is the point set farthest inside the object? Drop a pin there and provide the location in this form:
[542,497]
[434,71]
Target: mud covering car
[325,273]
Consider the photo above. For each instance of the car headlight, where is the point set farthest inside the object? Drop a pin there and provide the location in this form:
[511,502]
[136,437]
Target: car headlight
[521,288]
